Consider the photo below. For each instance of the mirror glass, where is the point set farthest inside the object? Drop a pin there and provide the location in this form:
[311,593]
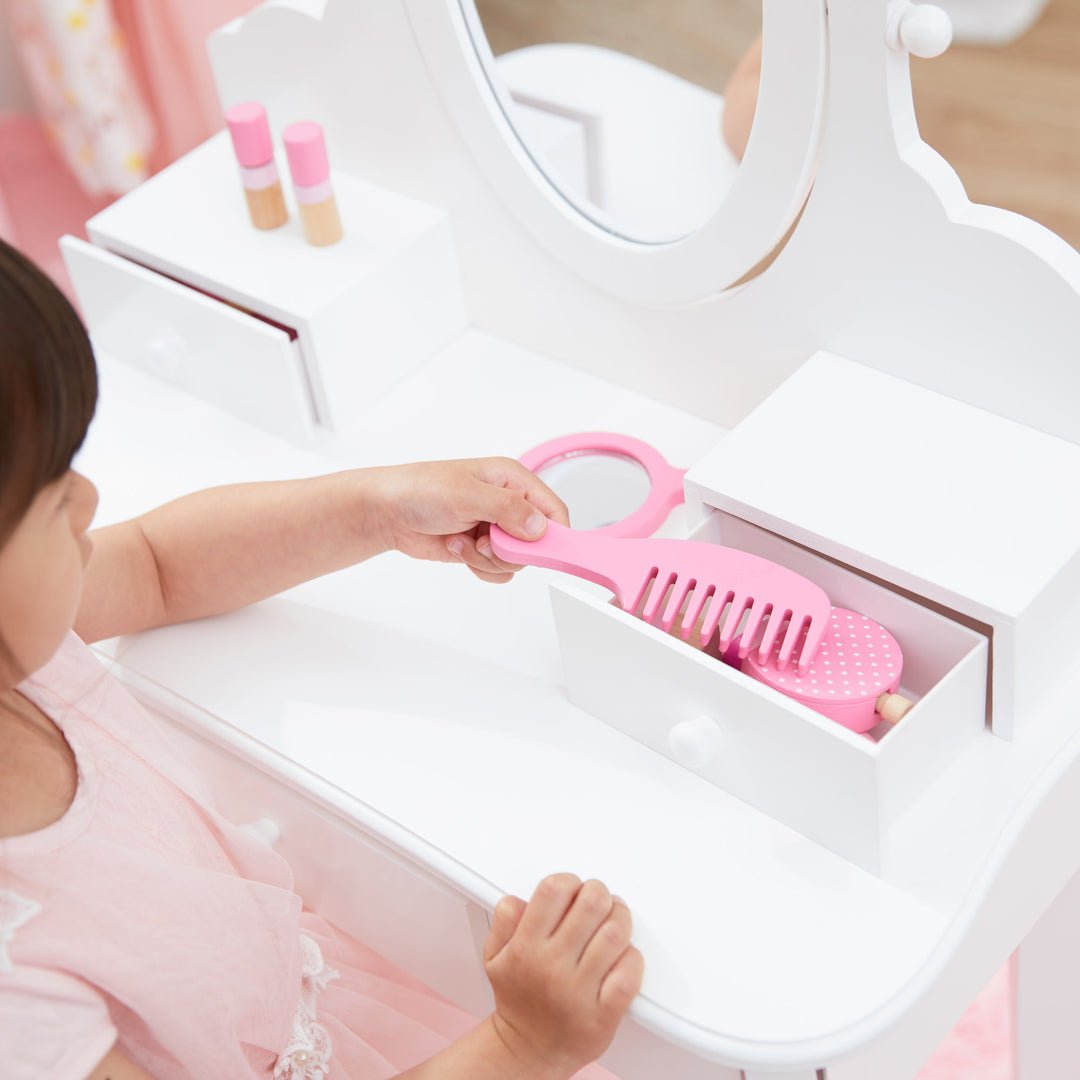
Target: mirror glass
[621,103]
[598,489]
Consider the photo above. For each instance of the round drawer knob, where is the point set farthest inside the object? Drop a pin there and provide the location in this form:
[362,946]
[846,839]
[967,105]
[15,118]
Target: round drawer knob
[693,743]
[921,29]
[165,354]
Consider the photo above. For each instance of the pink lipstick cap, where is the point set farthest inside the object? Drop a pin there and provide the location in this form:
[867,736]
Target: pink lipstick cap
[306,150]
[250,133]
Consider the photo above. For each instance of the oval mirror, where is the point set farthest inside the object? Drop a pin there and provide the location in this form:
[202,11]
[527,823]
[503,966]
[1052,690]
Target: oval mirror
[593,90]
[631,222]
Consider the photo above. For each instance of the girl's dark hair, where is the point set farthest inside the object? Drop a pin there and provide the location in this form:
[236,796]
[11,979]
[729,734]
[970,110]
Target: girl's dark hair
[48,385]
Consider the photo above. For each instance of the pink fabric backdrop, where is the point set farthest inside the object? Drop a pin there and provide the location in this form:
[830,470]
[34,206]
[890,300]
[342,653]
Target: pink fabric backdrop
[168,45]
[40,199]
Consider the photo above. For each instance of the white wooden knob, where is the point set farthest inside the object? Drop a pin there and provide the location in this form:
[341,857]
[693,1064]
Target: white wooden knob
[693,743]
[921,29]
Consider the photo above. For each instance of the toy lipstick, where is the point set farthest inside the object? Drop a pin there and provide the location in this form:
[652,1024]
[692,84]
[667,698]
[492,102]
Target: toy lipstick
[310,170]
[250,133]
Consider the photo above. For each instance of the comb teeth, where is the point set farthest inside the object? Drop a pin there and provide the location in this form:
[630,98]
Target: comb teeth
[667,597]
[758,614]
[662,582]
[650,579]
[807,638]
[693,612]
[680,594]
[769,636]
[737,608]
[787,643]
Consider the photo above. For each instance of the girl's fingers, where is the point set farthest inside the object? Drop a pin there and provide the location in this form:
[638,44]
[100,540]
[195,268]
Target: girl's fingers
[478,557]
[508,473]
[492,579]
[484,551]
[549,903]
[586,916]
[504,921]
[608,943]
[622,982]
[504,504]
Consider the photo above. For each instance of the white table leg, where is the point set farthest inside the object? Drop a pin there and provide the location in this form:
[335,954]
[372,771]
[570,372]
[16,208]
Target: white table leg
[1048,991]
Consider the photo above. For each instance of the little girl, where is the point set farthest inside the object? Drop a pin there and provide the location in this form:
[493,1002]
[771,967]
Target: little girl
[141,934]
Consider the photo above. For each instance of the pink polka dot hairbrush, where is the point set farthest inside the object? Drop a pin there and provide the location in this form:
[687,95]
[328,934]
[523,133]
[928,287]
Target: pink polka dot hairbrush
[854,677]
[691,574]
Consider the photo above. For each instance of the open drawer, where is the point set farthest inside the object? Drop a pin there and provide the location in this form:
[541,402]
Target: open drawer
[205,346]
[840,789]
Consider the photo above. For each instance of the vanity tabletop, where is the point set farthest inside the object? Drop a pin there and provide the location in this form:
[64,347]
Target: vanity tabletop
[436,703]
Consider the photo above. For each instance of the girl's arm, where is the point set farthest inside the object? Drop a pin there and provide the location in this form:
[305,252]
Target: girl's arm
[223,548]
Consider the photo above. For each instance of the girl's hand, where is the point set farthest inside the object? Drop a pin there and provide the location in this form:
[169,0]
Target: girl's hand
[441,510]
[563,971]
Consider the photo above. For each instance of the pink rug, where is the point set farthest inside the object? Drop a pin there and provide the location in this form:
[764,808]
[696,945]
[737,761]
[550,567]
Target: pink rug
[982,1046]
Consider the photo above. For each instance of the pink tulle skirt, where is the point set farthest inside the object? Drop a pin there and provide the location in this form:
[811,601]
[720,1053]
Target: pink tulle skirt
[380,1019]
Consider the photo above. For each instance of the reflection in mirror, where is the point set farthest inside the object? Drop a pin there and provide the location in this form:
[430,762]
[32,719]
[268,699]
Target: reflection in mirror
[598,489]
[620,102]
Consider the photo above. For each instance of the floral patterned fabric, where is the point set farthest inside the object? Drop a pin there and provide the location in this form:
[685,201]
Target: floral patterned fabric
[78,67]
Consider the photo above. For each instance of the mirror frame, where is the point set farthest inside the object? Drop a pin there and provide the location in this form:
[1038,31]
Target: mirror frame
[764,200]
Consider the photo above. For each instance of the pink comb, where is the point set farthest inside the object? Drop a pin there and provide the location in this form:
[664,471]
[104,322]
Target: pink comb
[691,573]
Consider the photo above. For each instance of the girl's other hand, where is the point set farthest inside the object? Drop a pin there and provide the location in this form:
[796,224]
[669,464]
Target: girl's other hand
[441,510]
[563,971]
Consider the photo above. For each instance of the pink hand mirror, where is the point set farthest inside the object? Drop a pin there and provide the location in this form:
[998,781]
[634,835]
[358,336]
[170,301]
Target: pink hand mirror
[613,484]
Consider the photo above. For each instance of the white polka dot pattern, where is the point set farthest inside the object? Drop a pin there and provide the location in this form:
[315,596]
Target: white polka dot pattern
[857,661]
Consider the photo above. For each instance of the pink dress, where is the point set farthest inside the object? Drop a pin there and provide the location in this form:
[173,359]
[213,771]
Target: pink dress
[143,916]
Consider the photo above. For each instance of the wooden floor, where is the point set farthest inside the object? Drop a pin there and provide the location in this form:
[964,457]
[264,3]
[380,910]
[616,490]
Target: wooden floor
[1006,118]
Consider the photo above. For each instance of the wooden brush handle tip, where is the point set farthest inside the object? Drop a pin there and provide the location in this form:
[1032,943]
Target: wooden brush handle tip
[893,707]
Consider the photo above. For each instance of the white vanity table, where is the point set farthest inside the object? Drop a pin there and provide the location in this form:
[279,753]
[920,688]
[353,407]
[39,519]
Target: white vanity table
[407,729]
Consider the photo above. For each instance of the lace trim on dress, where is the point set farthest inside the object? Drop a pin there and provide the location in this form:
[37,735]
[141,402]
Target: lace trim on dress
[14,911]
[307,1055]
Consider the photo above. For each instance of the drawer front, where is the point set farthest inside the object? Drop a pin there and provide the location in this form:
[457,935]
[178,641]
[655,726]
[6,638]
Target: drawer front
[351,879]
[201,345]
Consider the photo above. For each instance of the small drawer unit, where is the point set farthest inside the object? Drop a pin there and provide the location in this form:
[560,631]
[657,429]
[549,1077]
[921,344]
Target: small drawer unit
[241,363]
[929,517]
[962,510]
[358,315]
